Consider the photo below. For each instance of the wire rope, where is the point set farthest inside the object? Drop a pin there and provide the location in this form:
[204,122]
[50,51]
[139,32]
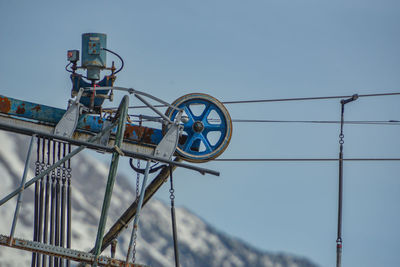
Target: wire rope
[302,159]
[306,98]
[288,99]
[388,122]
[360,122]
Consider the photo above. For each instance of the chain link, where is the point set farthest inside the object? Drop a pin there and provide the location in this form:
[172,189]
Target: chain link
[341,135]
[42,166]
[58,173]
[172,191]
[53,172]
[69,169]
[137,201]
[137,180]
[37,167]
[64,166]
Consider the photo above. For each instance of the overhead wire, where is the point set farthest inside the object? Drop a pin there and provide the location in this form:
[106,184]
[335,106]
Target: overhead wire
[387,122]
[305,98]
[287,99]
[302,159]
[360,122]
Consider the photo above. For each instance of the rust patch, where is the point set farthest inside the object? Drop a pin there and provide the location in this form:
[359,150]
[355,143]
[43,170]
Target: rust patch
[137,133]
[147,133]
[5,104]
[37,108]
[87,127]
[100,120]
[21,109]
[129,132]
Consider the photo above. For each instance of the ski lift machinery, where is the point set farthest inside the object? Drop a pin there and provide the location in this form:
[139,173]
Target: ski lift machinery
[195,128]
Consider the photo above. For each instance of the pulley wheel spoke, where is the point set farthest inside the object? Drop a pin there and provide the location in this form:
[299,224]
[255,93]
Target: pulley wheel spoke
[207,129]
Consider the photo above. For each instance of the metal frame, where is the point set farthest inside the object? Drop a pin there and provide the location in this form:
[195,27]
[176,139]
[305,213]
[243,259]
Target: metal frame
[123,112]
[65,253]
[41,114]
[94,258]
[92,145]
[22,186]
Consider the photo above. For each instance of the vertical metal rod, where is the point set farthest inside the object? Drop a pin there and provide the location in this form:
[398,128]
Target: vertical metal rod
[35,215]
[46,201]
[41,196]
[58,208]
[53,202]
[63,204]
[56,164]
[174,228]
[340,196]
[339,240]
[122,110]
[139,207]
[19,201]
[69,203]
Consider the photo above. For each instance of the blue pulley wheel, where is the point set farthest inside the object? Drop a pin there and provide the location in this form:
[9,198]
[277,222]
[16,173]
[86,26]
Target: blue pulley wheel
[207,127]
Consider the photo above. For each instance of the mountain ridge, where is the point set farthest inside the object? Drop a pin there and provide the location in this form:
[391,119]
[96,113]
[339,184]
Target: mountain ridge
[200,244]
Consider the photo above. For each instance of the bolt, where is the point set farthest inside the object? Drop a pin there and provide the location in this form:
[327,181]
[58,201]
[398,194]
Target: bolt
[198,126]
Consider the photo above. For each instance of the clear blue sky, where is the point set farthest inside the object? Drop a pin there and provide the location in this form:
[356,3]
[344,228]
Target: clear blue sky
[237,50]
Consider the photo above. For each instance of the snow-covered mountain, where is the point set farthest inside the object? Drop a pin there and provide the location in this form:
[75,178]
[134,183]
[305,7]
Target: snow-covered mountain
[199,243]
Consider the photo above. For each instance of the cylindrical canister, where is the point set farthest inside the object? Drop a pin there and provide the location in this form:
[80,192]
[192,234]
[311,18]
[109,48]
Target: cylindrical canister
[93,57]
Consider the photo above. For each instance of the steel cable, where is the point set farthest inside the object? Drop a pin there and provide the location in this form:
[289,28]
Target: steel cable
[303,159]
[285,99]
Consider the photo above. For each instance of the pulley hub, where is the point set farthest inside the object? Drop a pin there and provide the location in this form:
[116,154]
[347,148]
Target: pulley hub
[198,126]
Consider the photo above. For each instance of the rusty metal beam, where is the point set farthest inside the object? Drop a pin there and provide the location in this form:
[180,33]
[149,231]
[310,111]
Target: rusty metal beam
[90,145]
[87,122]
[17,125]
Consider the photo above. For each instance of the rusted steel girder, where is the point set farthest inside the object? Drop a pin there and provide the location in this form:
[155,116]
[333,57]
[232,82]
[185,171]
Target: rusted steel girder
[87,122]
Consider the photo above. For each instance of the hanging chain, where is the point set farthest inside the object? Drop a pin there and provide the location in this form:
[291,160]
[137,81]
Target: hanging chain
[53,172]
[59,167]
[43,162]
[137,180]
[172,190]
[341,135]
[64,166]
[137,201]
[68,169]
[37,162]
[173,218]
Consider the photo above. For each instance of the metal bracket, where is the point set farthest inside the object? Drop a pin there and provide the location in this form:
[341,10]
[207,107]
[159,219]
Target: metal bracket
[167,146]
[106,137]
[67,125]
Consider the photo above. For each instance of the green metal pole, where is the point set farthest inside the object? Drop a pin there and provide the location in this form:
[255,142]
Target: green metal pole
[122,110]
[28,159]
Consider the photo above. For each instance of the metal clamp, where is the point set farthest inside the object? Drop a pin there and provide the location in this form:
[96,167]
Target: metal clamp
[67,125]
